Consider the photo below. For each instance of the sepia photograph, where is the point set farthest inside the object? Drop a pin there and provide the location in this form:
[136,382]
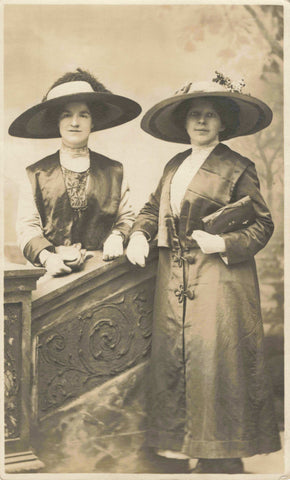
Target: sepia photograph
[143,240]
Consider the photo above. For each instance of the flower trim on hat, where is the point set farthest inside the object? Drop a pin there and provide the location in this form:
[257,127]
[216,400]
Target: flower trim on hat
[228,84]
[224,84]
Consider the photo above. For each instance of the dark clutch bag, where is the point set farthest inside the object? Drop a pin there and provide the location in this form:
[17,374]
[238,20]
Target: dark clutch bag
[231,217]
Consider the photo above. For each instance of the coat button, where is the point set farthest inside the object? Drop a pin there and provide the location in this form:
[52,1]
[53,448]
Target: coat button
[180,293]
[189,294]
[177,259]
[190,259]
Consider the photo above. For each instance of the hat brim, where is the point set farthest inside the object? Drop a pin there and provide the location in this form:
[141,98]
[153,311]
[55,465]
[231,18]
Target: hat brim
[113,110]
[160,121]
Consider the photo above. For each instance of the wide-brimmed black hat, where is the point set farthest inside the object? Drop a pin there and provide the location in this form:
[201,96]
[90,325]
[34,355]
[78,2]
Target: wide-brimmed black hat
[108,110]
[249,114]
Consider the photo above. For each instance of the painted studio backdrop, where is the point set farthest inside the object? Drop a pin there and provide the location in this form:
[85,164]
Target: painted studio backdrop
[147,52]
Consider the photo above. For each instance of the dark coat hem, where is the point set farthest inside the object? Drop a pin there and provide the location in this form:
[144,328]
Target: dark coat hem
[212,449]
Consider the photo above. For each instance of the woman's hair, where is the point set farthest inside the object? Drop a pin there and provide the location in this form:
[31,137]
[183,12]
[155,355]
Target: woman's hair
[227,110]
[79,75]
[52,115]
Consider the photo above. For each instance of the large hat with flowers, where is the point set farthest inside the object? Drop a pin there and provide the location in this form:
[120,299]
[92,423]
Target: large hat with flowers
[242,114]
[107,109]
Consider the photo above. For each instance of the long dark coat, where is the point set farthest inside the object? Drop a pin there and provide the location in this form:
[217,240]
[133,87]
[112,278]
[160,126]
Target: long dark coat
[210,392]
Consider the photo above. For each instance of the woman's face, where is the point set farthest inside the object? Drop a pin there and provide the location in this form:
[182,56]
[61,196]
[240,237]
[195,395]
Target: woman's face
[75,124]
[203,124]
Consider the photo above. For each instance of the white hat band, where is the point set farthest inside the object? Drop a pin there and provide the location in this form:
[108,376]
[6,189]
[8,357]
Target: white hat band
[69,88]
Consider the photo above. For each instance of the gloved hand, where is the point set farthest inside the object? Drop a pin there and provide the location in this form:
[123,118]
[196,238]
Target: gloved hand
[138,249]
[54,265]
[209,243]
[72,255]
[113,247]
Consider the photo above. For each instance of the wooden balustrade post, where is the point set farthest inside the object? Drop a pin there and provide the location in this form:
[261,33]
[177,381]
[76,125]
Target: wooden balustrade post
[19,281]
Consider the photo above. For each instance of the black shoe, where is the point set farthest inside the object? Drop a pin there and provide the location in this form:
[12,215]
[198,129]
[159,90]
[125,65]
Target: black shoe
[159,464]
[219,465]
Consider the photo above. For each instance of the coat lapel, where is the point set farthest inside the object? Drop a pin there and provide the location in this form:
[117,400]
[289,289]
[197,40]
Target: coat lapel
[206,180]
[167,227]
[170,175]
[210,189]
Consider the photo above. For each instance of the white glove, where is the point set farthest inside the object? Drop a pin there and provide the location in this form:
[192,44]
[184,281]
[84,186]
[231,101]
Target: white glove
[54,264]
[113,247]
[209,243]
[65,259]
[138,249]
[72,255]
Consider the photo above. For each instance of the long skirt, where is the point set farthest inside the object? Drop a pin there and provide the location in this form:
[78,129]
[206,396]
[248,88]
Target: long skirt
[210,393]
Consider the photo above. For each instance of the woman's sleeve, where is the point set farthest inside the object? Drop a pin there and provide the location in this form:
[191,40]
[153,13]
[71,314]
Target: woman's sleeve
[244,244]
[126,216]
[147,219]
[28,225]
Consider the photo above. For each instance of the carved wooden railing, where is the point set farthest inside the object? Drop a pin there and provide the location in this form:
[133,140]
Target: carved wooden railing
[71,335]
[88,327]
[19,281]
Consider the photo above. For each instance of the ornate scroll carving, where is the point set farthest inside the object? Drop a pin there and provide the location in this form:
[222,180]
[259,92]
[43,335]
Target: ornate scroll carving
[92,347]
[145,310]
[12,368]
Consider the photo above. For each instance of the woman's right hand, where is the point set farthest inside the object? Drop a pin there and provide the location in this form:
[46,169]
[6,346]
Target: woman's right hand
[138,249]
[55,265]
[65,259]
[72,255]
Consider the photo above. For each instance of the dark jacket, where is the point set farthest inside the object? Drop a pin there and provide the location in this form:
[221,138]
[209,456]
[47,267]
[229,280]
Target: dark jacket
[224,177]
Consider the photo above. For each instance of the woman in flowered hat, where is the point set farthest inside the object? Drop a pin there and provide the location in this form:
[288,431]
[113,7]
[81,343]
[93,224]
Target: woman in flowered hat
[210,397]
[75,199]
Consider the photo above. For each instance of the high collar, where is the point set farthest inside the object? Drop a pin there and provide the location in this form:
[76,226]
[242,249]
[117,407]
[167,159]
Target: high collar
[75,159]
[204,148]
[74,152]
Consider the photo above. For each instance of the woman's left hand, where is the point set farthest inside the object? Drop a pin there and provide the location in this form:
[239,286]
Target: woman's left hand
[209,243]
[113,247]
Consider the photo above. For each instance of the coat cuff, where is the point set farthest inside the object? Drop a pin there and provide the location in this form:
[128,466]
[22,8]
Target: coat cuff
[235,251]
[140,232]
[148,230]
[124,230]
[33,248]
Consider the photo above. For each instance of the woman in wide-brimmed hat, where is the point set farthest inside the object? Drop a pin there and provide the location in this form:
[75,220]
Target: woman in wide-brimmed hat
[75,199]
[210,397]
